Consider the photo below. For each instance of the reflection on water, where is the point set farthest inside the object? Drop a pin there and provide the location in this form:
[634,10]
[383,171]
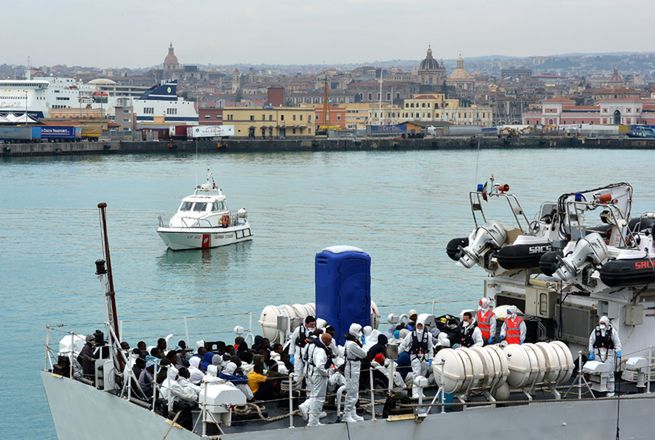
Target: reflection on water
[220,258]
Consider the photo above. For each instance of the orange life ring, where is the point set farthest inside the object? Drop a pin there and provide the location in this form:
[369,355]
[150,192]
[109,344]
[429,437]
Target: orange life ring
[225,220]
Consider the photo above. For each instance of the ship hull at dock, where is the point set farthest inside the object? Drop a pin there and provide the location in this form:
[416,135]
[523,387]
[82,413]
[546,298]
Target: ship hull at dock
[79,411]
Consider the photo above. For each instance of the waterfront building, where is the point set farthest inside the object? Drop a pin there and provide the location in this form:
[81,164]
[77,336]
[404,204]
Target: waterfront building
[210,116]
[436,107]
[272,122]
[562,111]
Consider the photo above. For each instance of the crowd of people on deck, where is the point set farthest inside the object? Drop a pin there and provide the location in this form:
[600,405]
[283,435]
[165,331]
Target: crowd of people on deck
[316,364]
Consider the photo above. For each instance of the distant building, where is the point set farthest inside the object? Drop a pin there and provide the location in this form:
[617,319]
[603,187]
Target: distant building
[515,72]
[436,107]
[210,116]
[430,72]
[561,111]
[171,65]
[275,96]
[268,123]
[460,79]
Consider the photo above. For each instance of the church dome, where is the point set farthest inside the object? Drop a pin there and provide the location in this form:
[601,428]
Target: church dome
[171,59]
[460,74]
[429,63]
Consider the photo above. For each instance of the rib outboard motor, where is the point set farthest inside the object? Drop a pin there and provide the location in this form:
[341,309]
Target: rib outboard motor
[489,236]
[590,249]
[454,247]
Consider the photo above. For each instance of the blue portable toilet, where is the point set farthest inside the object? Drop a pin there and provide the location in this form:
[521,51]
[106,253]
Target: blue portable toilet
[343,288]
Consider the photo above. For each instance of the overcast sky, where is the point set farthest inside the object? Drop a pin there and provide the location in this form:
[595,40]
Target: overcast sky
[136,33]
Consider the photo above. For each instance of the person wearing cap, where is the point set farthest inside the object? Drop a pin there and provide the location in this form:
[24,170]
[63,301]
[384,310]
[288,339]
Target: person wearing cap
[421,349]
[605,346]
[486,320]
[353,355]
[86,359]
[300,338]
[413,316]
[513,329]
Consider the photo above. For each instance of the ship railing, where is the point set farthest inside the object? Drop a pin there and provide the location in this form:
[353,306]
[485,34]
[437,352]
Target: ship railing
[368,399]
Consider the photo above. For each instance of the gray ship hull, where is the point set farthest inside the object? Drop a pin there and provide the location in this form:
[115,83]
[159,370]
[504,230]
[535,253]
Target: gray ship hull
[82,412]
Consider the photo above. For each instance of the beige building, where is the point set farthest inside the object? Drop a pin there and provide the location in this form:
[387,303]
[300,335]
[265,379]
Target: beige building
[436,107]
[277,122]
[362,114]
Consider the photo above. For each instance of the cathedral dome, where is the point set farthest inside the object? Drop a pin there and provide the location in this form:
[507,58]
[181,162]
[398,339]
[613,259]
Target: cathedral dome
[429,63]
[171,59]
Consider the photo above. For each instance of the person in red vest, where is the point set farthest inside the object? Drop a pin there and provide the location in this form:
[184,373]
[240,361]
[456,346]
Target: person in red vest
[513,329]
[486,320]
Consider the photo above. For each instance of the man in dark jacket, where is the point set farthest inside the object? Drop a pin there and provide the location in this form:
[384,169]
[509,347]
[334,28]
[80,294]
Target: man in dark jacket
[85,358]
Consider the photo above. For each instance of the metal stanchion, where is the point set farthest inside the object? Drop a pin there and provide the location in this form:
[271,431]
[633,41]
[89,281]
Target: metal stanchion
[370,377]
[650,360]
[291,401]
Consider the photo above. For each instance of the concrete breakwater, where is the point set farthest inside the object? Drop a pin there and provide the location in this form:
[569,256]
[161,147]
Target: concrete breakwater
[316,144]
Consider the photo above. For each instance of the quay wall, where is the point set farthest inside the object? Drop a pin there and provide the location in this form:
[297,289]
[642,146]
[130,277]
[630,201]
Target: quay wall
[317,144]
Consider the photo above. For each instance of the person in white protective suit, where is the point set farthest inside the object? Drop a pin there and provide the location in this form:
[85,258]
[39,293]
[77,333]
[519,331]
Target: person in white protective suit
[194,370]
[605,346]
[319,362]
[300,338]
[177,389]
[353,355]
[421,349]
[370,337]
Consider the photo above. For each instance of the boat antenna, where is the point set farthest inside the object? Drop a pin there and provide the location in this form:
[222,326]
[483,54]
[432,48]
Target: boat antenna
[110,294]
[477,160]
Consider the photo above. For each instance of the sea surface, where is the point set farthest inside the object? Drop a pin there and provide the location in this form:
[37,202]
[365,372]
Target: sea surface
[400,207]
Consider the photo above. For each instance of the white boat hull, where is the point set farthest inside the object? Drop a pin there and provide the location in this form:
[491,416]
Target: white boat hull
[81,412]
[204,238]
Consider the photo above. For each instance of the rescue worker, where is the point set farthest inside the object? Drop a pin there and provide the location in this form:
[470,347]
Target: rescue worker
[513,329]
[605,347]
[419,345]
[353,354]
[300,338]
[470,334]
[319,362]
[486,320]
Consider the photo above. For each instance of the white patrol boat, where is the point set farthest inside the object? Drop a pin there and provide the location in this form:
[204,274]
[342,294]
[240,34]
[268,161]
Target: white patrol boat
[203,221]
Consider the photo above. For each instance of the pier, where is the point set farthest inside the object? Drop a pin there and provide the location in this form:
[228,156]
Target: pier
[317,144]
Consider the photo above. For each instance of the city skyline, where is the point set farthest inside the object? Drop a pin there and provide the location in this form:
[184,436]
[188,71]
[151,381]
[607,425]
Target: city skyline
[134,35]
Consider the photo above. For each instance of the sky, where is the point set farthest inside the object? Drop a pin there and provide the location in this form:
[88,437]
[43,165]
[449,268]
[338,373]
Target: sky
[136,33]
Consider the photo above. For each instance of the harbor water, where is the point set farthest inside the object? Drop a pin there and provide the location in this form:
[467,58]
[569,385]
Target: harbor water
[401,207]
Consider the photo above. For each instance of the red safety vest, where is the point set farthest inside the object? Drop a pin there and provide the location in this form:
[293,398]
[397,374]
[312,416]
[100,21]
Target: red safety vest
[484,323]
[513,330]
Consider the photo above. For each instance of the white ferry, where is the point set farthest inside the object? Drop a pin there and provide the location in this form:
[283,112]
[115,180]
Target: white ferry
[159,104]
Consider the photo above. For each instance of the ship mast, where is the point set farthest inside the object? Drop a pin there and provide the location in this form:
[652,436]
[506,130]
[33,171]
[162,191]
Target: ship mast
[110,294]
